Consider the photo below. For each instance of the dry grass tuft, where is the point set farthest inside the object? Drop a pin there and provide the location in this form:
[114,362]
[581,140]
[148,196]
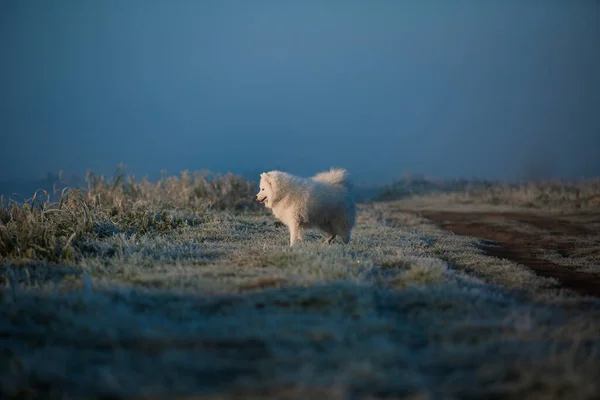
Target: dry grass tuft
[197,190]
[39,229]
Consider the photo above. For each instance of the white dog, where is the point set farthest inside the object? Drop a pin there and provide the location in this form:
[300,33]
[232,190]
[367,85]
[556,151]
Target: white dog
[324,201]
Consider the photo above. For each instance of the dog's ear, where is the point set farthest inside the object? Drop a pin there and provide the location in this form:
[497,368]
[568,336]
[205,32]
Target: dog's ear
[266,177]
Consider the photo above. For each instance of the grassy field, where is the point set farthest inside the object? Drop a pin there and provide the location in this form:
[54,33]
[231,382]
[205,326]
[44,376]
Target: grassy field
[551,195]
[185,288]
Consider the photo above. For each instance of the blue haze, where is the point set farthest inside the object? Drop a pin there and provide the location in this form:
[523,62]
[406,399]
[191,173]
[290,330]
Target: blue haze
[493,89]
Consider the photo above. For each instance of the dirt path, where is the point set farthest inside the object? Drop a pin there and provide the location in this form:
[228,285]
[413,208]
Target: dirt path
[523,237]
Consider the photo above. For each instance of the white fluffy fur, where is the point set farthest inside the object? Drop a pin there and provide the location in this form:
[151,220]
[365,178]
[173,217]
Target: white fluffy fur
[324,201]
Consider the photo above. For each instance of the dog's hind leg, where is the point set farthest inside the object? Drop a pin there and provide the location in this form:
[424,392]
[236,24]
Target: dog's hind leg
[328,229]
[330,238]
[341,229]
[344,235]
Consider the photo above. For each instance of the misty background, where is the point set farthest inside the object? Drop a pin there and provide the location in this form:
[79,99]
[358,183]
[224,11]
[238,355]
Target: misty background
[449,89]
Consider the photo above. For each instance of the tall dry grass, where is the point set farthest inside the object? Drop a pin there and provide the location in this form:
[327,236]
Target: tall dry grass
[200,189]
[42,229]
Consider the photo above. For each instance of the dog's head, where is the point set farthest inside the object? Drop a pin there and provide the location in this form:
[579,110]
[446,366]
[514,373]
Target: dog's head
[266,189]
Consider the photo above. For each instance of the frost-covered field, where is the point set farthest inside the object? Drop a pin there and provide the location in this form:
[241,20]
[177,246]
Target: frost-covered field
[134,297]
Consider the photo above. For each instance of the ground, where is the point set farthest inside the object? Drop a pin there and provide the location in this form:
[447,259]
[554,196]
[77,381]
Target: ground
[425,302]
[564,247]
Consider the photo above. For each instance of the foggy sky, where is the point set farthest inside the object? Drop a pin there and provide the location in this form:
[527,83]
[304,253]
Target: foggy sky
[443,88]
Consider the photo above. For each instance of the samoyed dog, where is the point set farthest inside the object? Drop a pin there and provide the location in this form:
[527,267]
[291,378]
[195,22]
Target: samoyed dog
[325,201]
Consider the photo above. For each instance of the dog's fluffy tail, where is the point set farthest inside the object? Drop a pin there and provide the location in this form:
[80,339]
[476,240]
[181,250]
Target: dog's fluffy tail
[335,176]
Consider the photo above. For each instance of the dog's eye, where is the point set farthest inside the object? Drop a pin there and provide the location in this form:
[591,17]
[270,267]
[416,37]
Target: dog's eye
[262,189]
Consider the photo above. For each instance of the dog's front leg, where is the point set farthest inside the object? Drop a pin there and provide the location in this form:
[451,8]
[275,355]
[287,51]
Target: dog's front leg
[295,233]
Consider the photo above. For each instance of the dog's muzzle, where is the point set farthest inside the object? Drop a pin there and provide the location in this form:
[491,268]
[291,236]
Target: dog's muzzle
[261,200]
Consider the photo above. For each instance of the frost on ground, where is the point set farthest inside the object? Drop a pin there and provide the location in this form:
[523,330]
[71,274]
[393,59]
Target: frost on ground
[215,304]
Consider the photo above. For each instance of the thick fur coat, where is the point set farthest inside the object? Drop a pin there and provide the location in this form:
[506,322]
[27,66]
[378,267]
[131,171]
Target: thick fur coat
[325,201]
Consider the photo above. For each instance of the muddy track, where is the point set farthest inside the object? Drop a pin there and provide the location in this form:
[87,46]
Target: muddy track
[559,234]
